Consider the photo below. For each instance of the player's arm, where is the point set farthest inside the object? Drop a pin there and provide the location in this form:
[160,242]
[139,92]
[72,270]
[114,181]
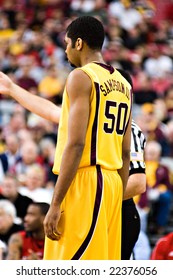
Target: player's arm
[79,88]
[124,171]
[14,247]
[34,103]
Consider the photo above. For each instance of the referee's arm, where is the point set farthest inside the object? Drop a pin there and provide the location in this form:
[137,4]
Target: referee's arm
[137,178]
[136,185]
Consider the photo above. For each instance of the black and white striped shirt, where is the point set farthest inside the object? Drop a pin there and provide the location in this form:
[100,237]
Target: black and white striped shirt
[138,142]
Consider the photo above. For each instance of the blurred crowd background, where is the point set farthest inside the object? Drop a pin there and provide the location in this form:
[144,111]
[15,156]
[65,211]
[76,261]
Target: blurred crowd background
[139,39]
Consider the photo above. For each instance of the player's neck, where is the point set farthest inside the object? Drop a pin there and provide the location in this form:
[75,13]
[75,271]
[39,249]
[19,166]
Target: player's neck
[93,57]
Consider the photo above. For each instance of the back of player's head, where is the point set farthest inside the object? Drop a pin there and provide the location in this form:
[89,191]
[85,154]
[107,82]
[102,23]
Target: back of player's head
[126,75]
[89,29]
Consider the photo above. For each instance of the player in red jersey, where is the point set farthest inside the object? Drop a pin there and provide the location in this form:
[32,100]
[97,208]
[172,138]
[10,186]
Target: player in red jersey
[163,249]
[29,244]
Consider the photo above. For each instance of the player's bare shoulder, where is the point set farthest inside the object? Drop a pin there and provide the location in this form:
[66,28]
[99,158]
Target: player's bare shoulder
[78,81]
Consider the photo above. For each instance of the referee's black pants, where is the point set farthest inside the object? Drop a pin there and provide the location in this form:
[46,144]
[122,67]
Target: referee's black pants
[130,228]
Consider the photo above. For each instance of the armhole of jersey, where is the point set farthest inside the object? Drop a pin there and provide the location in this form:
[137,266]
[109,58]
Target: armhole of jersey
[91,74]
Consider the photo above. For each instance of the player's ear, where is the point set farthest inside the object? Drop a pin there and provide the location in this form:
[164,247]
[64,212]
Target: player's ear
[79,44]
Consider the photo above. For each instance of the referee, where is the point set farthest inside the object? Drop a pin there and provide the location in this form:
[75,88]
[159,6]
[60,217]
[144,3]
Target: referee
[135,186]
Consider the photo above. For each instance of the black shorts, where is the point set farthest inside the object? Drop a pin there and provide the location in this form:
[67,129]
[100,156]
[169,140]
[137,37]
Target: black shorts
[130,228]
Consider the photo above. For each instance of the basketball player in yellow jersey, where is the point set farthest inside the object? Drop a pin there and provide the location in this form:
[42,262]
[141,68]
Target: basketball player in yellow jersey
[93,149]
[92,155]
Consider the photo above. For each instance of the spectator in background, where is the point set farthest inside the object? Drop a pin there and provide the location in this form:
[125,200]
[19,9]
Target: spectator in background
[153,127]
[34,184]
[168,99]
[47,152]
[161,113]
[144,92]
[159,188]
[30,64]
[81,7]
[40,128]
[8,225]
[51,86]
[128,16]
[29,243]
[3,249]
[51,54]
[2,141]
[29,155]
[25,80]
[23,136]
[170,137]
[6,31]
[157,64]
[12,151]
[16,122]
[9,190]
[3,166]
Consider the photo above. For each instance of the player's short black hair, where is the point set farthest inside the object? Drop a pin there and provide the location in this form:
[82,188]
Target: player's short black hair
[44,207]
[89,29]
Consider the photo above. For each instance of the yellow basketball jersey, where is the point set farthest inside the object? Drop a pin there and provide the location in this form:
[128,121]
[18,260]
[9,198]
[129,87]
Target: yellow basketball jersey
[110,108]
